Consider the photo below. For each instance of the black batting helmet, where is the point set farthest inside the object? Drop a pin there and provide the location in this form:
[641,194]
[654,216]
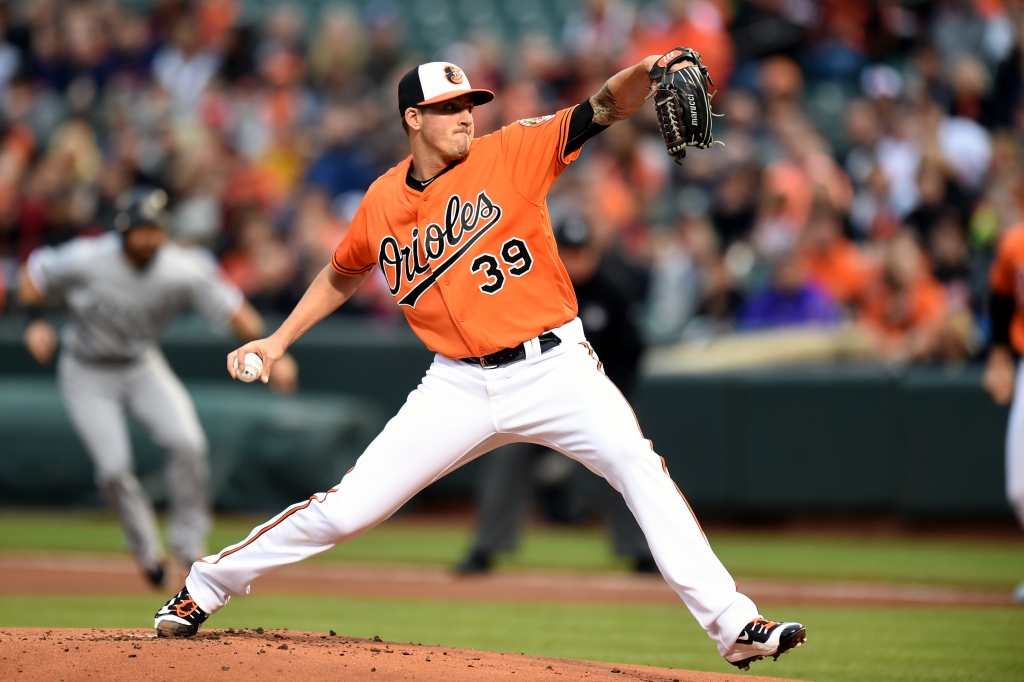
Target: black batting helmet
[141,205]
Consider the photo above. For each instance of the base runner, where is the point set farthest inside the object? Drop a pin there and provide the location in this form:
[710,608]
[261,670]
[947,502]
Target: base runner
[1003,378]
[122,290]
[462,233]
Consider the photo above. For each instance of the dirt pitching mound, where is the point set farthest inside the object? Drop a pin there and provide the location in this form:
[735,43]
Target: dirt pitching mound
[76,655]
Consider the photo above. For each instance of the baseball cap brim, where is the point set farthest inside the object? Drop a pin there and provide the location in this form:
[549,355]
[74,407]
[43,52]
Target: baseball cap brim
[480,96]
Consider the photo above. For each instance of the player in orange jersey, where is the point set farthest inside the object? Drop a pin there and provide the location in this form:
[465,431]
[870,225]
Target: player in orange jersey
[461,231]
[1002,378]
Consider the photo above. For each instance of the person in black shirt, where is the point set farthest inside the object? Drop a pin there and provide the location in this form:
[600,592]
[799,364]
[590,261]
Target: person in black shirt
[608,297]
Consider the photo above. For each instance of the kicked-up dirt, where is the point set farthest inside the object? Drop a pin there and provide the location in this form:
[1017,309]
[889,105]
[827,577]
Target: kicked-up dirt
[69,655]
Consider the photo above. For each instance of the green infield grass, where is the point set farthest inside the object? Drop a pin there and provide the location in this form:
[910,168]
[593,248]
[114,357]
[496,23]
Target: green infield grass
[935,561]
[844,644]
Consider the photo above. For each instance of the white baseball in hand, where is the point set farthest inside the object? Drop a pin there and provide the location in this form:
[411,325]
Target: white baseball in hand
[252,370]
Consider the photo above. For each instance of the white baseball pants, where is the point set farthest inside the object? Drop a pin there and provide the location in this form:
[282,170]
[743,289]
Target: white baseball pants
[560,399]
[1015,448]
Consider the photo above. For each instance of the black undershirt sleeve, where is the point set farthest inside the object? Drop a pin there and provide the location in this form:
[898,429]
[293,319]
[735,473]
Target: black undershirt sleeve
[1001,310]
[581,127]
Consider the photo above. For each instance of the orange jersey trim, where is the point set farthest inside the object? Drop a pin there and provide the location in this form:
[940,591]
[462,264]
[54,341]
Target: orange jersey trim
[341,270]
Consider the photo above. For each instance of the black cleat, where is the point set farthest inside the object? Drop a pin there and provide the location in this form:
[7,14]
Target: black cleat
[179,617]
[477,562]
[762,638]
[156,576]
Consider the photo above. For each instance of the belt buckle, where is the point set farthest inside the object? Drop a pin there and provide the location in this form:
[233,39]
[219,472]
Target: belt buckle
[484,365]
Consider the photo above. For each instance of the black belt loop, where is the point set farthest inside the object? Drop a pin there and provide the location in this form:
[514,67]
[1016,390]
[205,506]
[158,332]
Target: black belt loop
[507,356]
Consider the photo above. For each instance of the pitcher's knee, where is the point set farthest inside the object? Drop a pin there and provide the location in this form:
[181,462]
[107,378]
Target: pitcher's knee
[620,461]
[348,527]
[343,522]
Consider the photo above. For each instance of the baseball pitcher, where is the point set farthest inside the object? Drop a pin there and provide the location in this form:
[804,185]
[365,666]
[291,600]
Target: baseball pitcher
[122,290]
[461,231]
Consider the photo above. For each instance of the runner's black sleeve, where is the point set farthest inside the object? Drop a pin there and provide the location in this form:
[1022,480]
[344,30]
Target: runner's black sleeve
[1001,310]
[581,127]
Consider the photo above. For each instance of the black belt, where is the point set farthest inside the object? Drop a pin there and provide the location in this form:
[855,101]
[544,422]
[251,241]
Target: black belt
[507,356]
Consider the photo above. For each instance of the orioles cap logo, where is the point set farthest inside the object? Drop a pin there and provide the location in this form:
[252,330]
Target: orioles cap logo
[668,57]
[453,74]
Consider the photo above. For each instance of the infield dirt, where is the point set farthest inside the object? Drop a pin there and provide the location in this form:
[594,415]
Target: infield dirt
[70,655]
[120,575]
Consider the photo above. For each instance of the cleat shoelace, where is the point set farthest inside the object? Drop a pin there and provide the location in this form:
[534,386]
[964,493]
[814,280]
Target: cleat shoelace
[761,625]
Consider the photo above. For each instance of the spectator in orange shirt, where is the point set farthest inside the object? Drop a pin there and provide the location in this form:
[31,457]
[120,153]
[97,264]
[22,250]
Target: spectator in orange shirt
[830,259]
[907,309]
[806,172]
[699,24]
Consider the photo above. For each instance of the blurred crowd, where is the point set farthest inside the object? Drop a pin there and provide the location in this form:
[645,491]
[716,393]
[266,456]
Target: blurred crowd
[873,148]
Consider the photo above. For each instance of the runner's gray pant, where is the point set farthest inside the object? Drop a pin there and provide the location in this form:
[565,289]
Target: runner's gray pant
[96,396]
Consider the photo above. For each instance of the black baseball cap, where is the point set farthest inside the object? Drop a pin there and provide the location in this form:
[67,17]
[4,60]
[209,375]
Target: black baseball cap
[572,232]
[436,82]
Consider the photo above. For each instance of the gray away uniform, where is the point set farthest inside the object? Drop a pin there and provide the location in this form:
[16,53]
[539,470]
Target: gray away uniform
[110,361]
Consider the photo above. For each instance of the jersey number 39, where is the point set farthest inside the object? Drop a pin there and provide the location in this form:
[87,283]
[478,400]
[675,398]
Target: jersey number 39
[514,254]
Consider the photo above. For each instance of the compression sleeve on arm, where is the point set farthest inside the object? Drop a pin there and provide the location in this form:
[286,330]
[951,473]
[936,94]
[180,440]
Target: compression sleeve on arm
[581,127]
[1001,309]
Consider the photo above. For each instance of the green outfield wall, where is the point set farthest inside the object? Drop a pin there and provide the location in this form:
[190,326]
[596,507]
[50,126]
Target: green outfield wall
[918,442]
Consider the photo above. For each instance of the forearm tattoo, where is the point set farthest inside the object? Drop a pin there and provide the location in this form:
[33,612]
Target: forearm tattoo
[607,110]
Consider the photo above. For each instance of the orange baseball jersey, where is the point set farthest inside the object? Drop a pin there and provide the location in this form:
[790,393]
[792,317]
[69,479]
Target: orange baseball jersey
[471,258]
[1007,279]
